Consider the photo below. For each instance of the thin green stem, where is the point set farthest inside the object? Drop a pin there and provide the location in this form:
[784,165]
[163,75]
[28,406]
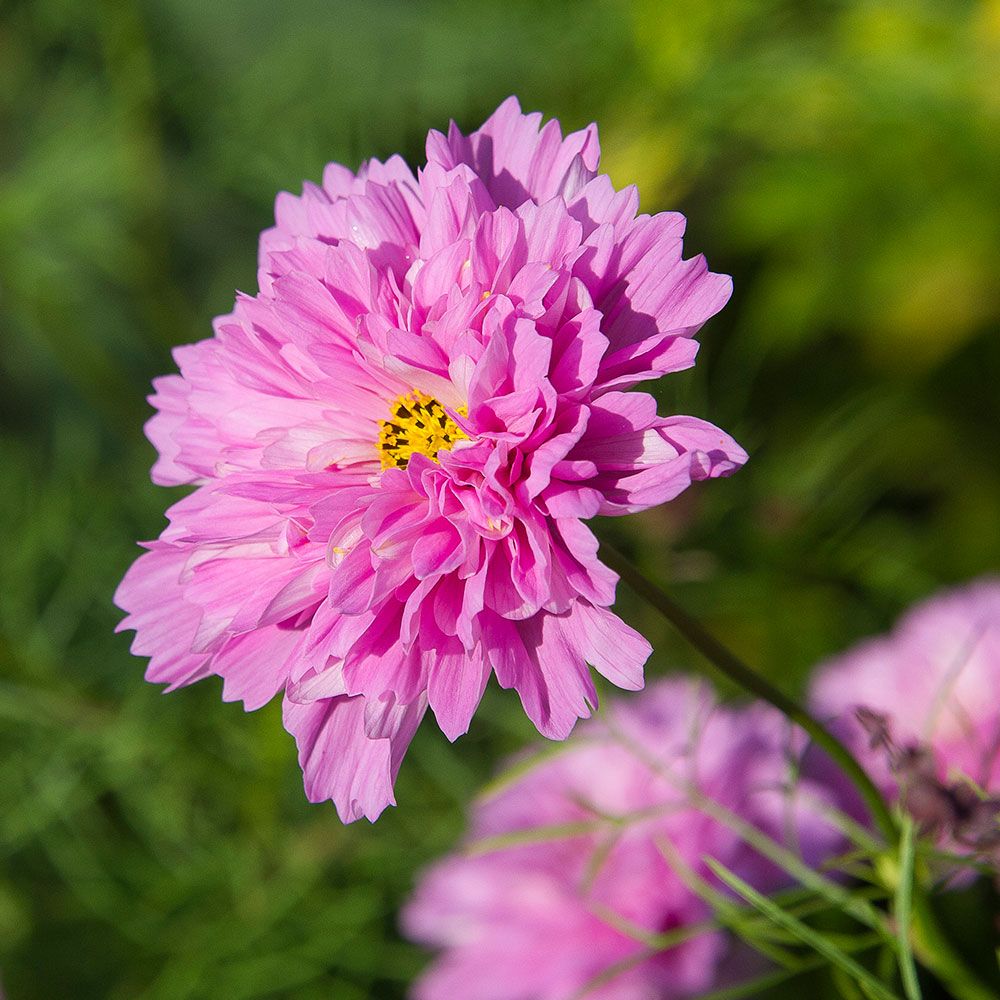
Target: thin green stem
[903,911]
[751,681]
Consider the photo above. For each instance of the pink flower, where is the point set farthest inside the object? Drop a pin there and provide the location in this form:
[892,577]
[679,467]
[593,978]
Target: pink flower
[396,443]
[920,708]
[565,875]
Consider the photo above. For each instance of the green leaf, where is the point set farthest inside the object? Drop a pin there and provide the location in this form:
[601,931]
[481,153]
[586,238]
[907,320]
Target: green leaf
[813,938]
[728,913]
[754,987]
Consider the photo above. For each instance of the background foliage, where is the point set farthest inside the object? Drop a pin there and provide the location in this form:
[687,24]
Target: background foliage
[841,160]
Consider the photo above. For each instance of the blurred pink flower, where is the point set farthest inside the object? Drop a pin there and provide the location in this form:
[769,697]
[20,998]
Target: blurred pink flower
[396,442]
[920,708]
[564,876]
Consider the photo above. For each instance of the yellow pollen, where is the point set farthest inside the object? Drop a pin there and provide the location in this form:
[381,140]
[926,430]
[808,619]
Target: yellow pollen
[418,424]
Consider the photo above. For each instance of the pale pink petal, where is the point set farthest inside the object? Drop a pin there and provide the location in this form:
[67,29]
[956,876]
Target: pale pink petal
[455,686]
[340,762]
[254,666]
[616,651]
[170,399]
[165,624]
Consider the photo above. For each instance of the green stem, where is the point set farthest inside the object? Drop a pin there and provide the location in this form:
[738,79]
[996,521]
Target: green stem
[750,680]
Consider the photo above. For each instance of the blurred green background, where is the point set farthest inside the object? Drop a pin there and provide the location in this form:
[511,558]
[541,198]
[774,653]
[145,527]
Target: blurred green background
[841,160]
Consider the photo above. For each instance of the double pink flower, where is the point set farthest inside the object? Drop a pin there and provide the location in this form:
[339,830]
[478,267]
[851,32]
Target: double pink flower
[395,445]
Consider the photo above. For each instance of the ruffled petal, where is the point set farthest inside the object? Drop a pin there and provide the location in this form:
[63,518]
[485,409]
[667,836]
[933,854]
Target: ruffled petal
[517,160]
[340,762]
[165,623]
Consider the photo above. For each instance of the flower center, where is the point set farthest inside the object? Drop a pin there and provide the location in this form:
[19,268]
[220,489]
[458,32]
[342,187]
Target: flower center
[418,424]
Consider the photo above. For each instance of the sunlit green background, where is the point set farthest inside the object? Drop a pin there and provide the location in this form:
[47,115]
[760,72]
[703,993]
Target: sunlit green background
[841,160]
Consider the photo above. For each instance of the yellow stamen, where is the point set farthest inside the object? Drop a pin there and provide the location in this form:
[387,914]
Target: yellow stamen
[418,424]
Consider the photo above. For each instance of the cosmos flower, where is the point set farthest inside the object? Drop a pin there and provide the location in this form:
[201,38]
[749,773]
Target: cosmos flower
[396,444]
[571,867]
[919,707]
